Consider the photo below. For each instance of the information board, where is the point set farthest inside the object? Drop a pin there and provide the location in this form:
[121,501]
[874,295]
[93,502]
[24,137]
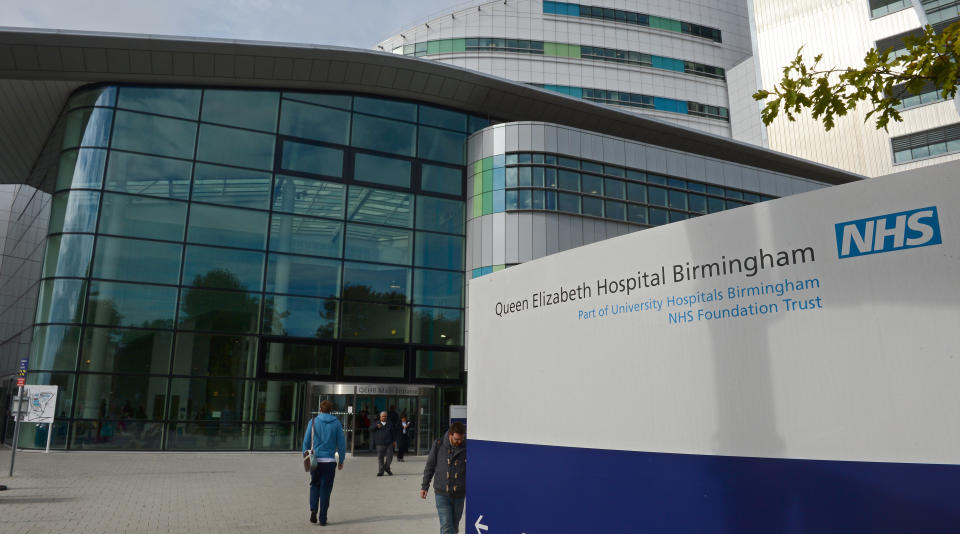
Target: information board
[789,366]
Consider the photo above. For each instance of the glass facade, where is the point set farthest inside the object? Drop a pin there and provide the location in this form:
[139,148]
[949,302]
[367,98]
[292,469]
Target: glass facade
[210,251]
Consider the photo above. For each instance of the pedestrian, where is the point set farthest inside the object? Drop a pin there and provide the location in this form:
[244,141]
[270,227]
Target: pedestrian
[326,433]
[403,439]
[385,438]
[393,417]
[447,466]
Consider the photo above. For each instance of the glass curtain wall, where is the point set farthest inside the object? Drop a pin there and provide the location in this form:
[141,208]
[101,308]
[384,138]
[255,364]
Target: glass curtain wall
[210,250]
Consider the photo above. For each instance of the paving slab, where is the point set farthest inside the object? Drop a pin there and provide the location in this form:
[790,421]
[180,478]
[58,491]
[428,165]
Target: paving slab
[203,492]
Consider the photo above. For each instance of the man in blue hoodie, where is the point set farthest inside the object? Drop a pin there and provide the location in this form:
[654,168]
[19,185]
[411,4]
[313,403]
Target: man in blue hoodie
[327,439]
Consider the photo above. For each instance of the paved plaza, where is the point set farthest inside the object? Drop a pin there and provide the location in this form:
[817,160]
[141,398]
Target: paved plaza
[93,492]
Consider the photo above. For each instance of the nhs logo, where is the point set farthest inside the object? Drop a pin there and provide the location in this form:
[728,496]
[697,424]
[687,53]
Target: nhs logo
[886,233]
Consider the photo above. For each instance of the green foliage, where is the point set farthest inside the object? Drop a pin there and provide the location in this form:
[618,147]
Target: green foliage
[831,93]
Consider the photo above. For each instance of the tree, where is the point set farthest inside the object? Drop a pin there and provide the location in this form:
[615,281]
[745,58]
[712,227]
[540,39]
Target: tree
[930,58]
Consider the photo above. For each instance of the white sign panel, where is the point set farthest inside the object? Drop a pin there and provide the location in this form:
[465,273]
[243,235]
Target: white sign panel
[40,405]
[821,326]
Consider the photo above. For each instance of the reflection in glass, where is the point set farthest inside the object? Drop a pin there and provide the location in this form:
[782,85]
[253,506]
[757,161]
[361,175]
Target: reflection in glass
[227,227]
[439,251]
[81,169]
[136,260]
[116,350]
[300,275]
[393,109]
[151,134]
[209,399]
[442,145]
[315,122]
[223,268]
[381,170]
[208,436]
[275,437]
[384,135]
[313,159]
[374,322]
[61,301]
[447,180]
[116,397]
[438,288]
[182,103]
[440,214]
[379,244]
[298,358]
[74,211]
[230,146]
[300,316]
[256,110]
[96,96]
[306,235]
[87,127]
[437,326]
[305,196]
[323,99]
[116,435]
[373,362]
[276,401]
[438,364]
[119,304]
[229,185]
[148,175]
[219,311]
[54,348]
[151,218]
[68,255]
[214,355]
[379,283]
[379,206]
[65,382]
[443,118]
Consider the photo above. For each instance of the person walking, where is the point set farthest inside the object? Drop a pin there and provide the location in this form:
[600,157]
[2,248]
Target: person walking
[447,467]
[403,438]
[385,438]
[327,437]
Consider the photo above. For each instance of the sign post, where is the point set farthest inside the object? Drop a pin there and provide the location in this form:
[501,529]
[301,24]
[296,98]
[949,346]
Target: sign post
[21,380]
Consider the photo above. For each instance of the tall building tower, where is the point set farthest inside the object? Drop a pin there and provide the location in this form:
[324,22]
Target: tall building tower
[680,62]
[843,30]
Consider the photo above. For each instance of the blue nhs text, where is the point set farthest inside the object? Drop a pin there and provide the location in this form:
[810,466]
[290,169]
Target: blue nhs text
[886,233]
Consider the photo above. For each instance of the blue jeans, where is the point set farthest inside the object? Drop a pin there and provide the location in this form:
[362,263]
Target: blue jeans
[321,484]
[450,510]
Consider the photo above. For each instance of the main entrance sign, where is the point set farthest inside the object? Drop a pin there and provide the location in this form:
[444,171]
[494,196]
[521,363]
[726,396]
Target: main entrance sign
[763,370]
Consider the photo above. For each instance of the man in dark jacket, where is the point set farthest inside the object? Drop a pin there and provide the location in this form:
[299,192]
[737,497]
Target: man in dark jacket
[447,466]
[385,438]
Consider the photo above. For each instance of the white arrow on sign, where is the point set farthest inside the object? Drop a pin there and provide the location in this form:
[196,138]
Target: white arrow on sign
[480,526]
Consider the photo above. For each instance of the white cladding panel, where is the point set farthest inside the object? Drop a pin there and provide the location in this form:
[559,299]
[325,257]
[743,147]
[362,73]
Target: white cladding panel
[868,373]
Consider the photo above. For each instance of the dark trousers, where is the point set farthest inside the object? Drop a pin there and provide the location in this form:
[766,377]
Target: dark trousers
[402,445]
[321,484]
[384,456]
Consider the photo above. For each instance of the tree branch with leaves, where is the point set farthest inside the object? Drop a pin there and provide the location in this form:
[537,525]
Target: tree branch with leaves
[930,58]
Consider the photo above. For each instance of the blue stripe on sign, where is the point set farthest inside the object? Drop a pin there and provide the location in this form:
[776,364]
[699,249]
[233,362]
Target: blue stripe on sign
[544,489]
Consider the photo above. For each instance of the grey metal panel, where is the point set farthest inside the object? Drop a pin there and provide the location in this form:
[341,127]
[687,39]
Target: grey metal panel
[564,222]
[731,175]
[614,151]
[676,163]
[539,229]
[595,147]
[696,168]
[768,183]
[118,61]
[487,149]
[25,57]
[751,180]
[48,58]
[203,64]
[283,69]
[512,239]
[468,254]
[537,135]
[524,136]
[656,160]
[552,230]
[525,236]
[486,241]
[499,140]
[713,171]
[636,155]
[511,138]
[95,59]
[477,243]
[550,138]
[576,232]
[499,239]
[589,231]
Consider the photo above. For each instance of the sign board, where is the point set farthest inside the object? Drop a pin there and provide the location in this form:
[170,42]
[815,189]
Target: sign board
[380,389]
[22,372]
[789,366]
[458,412]
[41,403]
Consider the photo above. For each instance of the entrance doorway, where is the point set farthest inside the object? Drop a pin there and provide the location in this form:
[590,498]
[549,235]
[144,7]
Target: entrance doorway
[358,406]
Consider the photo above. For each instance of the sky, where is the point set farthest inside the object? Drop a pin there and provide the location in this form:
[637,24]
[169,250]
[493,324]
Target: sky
[354,23]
